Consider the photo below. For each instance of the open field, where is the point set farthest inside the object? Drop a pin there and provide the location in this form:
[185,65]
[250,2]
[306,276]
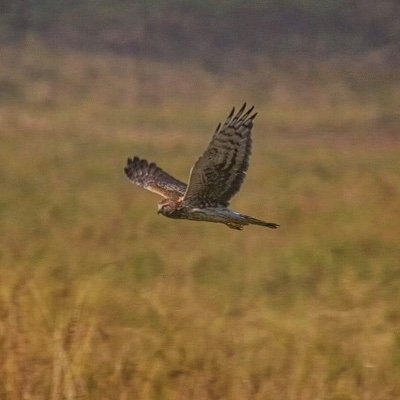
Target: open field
[100,298]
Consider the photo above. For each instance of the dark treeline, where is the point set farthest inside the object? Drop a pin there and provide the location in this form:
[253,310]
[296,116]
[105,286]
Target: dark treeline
[208,30]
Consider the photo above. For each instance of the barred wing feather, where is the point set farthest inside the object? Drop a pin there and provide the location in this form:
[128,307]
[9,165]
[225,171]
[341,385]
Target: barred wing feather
[220,171]
[153,178]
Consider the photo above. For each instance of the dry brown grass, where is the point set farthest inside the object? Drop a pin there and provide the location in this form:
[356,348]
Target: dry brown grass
[102,299]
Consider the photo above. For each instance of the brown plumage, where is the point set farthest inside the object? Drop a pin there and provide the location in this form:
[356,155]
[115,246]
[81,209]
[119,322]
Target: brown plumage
[153,178]
[214,179]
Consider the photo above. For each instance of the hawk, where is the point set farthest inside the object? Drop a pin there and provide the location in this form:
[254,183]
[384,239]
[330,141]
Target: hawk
[214,178]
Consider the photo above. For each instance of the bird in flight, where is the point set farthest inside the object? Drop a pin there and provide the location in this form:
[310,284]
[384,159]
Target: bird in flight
[214,179]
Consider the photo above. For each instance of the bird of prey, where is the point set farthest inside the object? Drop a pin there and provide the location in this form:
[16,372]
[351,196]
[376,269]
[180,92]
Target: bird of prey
[214,179]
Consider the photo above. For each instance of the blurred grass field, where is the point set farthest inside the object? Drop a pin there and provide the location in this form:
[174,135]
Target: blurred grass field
[100,298]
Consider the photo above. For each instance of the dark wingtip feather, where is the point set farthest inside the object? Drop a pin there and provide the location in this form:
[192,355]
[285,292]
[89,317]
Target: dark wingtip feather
[241,110]
[127,172]
[253,116]
[244,117]
[132,165]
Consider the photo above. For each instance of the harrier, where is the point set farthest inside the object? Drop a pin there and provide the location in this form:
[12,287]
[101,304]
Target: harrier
[214,178]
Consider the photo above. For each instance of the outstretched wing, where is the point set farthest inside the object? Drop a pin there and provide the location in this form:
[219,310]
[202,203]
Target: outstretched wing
[153,178]
[220,171]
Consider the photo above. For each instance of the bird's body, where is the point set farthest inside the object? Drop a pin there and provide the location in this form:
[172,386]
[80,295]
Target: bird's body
[214,179]
[214,214]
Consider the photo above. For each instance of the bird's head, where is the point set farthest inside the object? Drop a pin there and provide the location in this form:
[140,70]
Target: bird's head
[167,207]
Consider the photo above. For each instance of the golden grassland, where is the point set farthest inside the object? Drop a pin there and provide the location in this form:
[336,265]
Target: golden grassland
[100,298]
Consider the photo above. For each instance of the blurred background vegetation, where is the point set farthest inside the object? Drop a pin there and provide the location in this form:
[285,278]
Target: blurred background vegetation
[100,298]
[207,31]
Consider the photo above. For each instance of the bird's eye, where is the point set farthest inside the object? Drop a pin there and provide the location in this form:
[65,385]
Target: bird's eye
[163,208]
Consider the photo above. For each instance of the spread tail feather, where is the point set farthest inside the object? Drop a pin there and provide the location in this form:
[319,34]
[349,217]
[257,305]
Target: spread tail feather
[246,220]
[255,221]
